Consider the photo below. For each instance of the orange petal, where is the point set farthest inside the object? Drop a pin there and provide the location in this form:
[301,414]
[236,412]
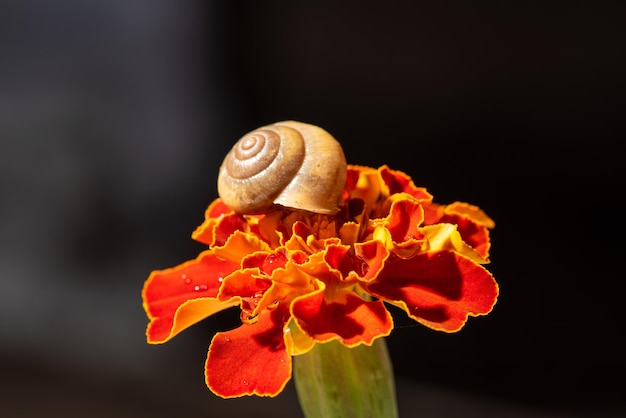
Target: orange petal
[349,232]
[439,290]
[295,279]
[297,341]
[270,228]
[246,286]
[344,316]
[177,298]
[298,239]
[473,212]
[405,217]
[239,245]
[251,359]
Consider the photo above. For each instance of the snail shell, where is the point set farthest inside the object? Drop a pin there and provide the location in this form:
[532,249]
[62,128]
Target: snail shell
[288,163]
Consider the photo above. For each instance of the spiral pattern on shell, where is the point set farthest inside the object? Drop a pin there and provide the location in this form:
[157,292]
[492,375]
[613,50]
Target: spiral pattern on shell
[288,163]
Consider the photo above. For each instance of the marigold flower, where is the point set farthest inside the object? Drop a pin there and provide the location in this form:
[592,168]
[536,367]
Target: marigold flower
[302,278]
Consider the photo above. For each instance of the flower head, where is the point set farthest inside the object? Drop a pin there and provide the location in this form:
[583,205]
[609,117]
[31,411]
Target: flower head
[302,279]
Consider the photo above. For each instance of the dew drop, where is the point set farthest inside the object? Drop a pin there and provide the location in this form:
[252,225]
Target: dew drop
[185,278]
[245,382]
[273,261]
[227,339]
[249,319]
[200,288]
[219,279]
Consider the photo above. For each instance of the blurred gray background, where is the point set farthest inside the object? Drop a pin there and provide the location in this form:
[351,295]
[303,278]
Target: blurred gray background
[115,116]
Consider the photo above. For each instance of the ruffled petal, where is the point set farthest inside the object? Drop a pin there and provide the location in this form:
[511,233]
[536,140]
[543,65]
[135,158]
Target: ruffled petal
[205,232]
[364,183]
[373,255]
[403,222]
[245,286]
[399,182]
[343,316]
[471,211]
[472,232]
[439,290]
[177,298]
[296,340]
[270,228]
[473,224]
[239,245]
[294,279]
[447,237]
[302,278]
[251,359]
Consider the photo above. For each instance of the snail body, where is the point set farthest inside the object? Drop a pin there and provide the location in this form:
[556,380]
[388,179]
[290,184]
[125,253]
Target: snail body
[288,163]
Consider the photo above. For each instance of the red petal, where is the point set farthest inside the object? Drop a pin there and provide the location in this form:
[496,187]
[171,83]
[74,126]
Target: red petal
[472,223]
[403,222]
[352,176]
[472,233]
[216,209]
[438,289]
[373,255]
[399,182]
[168,295]
[337,257]
[227,226]
[363,183]
[205,232]
[245,285]
[346,317]
[251,359]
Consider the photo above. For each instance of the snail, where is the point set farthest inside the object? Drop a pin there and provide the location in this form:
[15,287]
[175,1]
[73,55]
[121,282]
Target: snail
[292,164]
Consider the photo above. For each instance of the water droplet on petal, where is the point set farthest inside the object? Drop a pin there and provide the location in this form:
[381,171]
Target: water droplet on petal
[249,319]
[227,339]
[274,261]
[186,278]
[245,382]
[200,288]
[219,279]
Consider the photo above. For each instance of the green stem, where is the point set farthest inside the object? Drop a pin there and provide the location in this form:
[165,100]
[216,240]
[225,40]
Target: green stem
[334,381]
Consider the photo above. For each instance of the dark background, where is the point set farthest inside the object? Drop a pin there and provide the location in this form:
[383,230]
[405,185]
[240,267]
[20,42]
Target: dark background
[115,116]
